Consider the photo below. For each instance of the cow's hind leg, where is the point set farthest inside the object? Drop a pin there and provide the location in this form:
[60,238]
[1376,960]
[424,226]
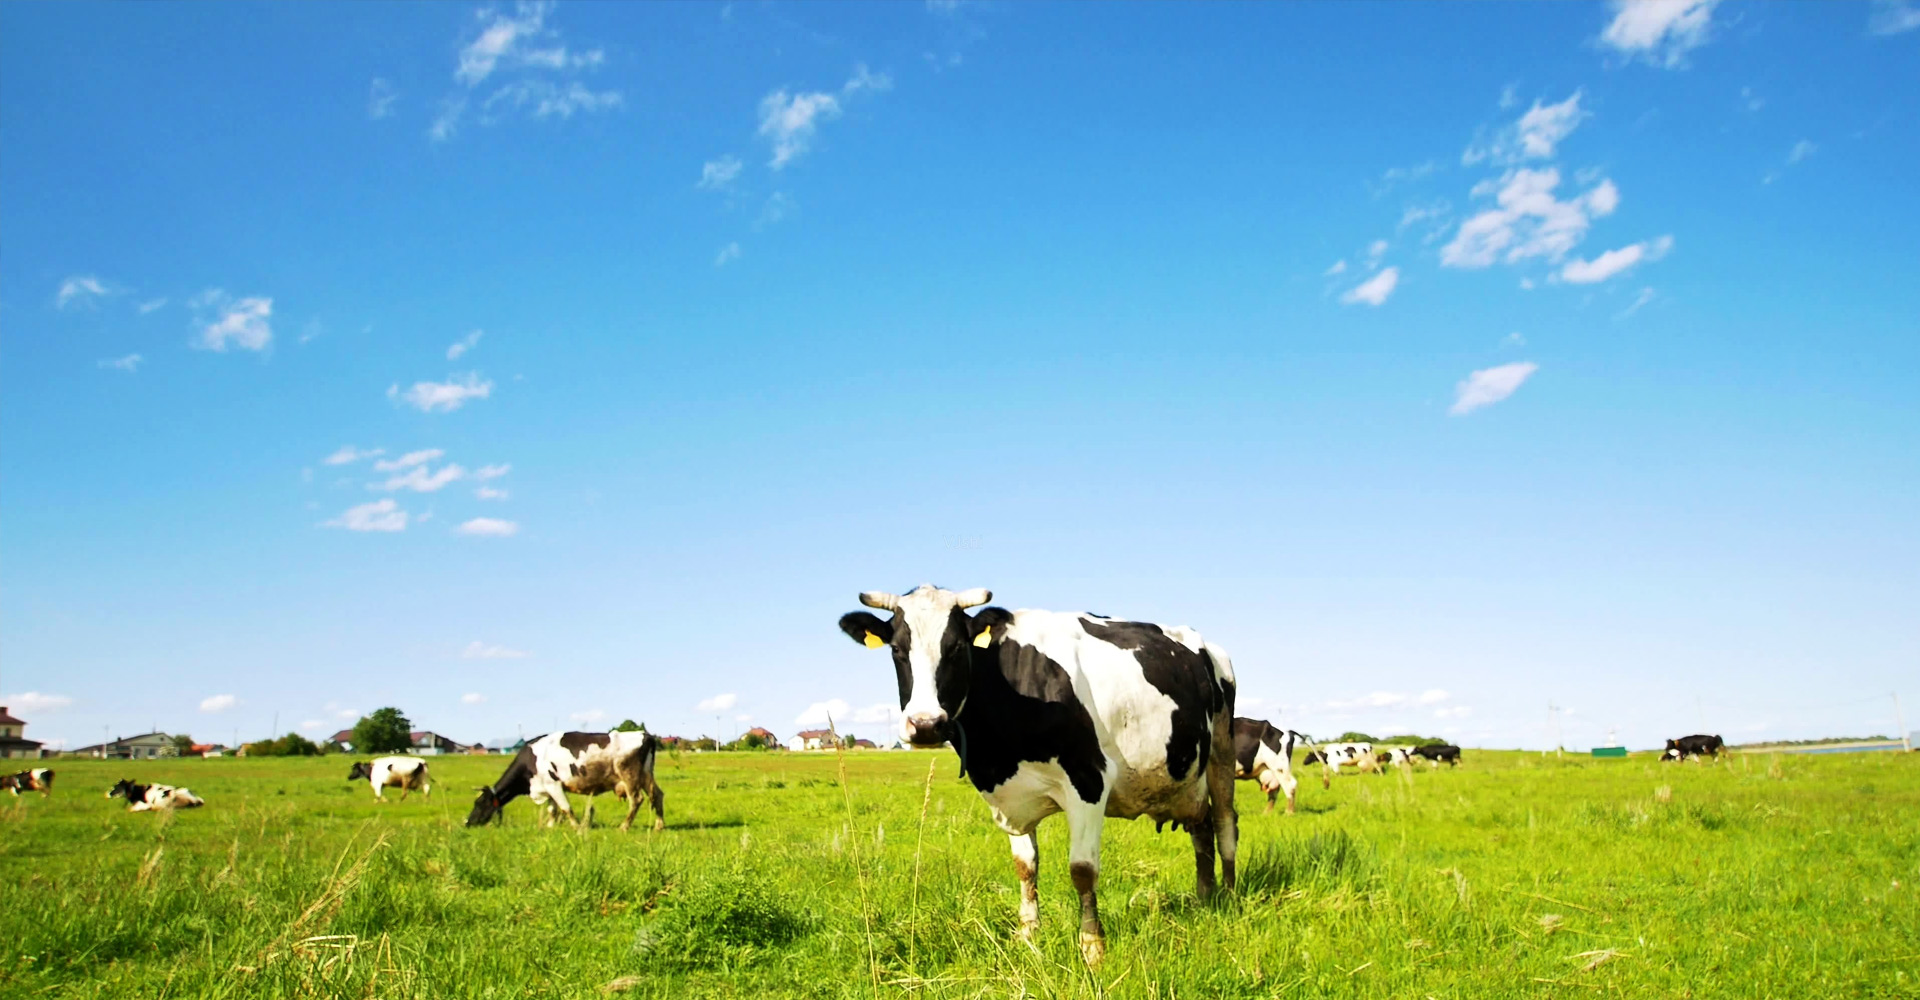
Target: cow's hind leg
[1026,864]
[1226,822]
[657,797]
[1083,833]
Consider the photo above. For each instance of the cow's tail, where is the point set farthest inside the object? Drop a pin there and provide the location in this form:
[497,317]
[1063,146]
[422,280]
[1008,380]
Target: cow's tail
[1220,765]
[649,750]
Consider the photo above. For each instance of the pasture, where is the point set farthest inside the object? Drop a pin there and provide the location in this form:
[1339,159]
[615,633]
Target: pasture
[1514,876]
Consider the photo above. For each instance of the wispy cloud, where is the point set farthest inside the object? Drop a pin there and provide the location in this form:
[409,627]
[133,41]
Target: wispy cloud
[1489,386]
[1527,220]
[1893,17]
[1534,136]
[348,454]
[81,290]
[717,174]
[411,458]
[420,480]
[1374,290]
[718,703]
[1587,272]
[35,703]
[489,527]
[520,42]
[443,397]
[464,344]
[381,98]
[1800,151]
[727,253]
[1337,267]
[1645,296]
[499,40]
[545,99]
[218,703]
[487,472]
[380,515]
[472,698]
[477,650]
[789,121]
[228,322]
[489,493]
[127,363]
[1661,32]
[151,305]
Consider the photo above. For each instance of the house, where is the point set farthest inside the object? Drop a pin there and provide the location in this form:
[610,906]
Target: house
[865,745]
[813,739]
[765,734]
[145,746]
[207,750]
[430,744]
[13,741]
[341,741]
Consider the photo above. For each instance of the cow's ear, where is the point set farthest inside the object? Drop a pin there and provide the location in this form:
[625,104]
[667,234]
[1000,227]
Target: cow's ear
[983,622]
[866,629]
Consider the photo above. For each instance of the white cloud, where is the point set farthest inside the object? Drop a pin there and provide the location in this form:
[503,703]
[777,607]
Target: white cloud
[1514,339]
[81,290]
[547,100]
[150,305]
[464,344]
[1528,221]
[445,396]
[489,493]
[472,698]
[1433,696]
[1893,17]
[1800,151]
[1660,31]
[789,121]
[420,480]
[1376,250]
[380,99]
[1533,137]
[499,40]
[1645,296]
[128,363]
[521,41]
[411,458]
[348,715]
[729,252]
[1489,386]
[718,703]
[1338,267]
[348,454]
[1588,272]
[225,321]
[779,205]
[35,702]
[1751,101]
[477,650]
[489,527]
[864,80]
[717,174]
[447,122]
[380,515]
[818,713]
[879,712]
[1416,214]
[218,703]
[1374,290]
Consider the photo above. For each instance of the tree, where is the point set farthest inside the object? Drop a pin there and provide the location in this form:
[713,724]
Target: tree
[182,745]
[1351,737]
[630,726]
[384,731]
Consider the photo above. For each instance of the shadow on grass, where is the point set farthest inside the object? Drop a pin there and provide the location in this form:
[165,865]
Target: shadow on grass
[707,824]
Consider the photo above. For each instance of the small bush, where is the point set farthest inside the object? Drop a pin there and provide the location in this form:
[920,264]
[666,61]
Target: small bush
[733,919]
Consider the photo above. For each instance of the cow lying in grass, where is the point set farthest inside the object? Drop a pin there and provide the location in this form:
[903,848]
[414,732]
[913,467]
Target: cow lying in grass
[141,798]
[39,779]
[404,773]
[549,767]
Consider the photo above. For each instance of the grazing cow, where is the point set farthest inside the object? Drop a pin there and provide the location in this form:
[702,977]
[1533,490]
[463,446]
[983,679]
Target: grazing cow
[1335,756]
[39,779]
[141,798]
[404,773]
[1071,713]
[549,767]
[1434,753]
[1264,753]
[1396,756]
[1693,746]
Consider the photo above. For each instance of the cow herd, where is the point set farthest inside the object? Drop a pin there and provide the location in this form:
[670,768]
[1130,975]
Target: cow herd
[1049,712]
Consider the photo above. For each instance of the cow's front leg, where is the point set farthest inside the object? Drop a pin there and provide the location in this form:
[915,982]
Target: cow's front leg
[1026,864]
[1083,826]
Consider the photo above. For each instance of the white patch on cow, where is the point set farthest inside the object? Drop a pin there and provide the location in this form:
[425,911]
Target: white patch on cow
[925,612]
[409,774]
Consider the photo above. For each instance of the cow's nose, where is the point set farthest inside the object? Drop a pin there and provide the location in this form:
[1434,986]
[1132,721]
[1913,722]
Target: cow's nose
[926,728]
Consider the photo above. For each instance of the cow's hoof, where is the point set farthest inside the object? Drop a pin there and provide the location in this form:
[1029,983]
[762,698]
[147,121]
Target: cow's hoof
[1093,948]
[1024,933]
[659,825]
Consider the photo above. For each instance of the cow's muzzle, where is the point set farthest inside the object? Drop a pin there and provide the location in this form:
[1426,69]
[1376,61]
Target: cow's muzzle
[926,729]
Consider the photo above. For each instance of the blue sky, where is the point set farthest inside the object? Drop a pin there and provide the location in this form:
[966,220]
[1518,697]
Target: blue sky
[544,365]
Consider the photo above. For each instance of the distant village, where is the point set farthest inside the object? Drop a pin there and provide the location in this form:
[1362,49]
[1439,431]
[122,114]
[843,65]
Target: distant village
[426,743]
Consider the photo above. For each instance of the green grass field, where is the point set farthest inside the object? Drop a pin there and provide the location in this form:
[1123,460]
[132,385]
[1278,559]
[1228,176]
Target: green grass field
[1517,875]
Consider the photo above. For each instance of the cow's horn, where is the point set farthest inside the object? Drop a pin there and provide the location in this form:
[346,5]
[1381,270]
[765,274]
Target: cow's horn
[975,597]
[880,599]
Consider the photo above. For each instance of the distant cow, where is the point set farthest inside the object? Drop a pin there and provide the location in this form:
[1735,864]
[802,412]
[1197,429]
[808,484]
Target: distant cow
[1334,756]
[1434,753]
[1264,753]
[1065,712]
[39,779]
[141,798]
[549,767]
[404,773]
[1397,756]
[1693,746]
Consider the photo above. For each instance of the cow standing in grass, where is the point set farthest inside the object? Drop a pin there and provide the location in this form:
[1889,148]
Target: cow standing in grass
[404,773]
[39,779]
[1693,746]
[1335,756]
[142,798]
[589,764]
[1434,753]
[1263,752]
[1069,713]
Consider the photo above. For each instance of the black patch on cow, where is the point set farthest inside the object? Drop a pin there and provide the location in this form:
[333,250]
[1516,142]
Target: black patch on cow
[577,743]
[1020,707]
[514,782]
[1248,737]
[360,770]
[130,791]
[1183,675]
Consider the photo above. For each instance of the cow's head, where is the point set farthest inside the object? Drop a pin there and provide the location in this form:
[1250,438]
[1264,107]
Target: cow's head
[485,807]
[932,639]
[360,770]
[123,788]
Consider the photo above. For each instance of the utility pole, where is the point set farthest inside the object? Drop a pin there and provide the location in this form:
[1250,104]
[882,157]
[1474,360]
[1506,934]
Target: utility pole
[275,734]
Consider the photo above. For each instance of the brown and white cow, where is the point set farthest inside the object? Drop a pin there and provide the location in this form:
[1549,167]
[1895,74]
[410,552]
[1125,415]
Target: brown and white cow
[404,773]
[39,779]
[142,798]
[549,767]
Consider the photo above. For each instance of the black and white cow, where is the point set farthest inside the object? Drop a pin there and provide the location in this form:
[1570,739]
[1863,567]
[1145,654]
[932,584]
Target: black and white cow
[1434,753]
[39,779]
[141,798]
[1055,712]
[1394,756]
[1693,746]
[549,767]
[1263,752]
[1335,756]
[404,773]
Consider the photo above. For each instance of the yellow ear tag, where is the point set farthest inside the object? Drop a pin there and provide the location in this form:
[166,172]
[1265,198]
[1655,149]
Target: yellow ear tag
[873,641]
[984,639]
